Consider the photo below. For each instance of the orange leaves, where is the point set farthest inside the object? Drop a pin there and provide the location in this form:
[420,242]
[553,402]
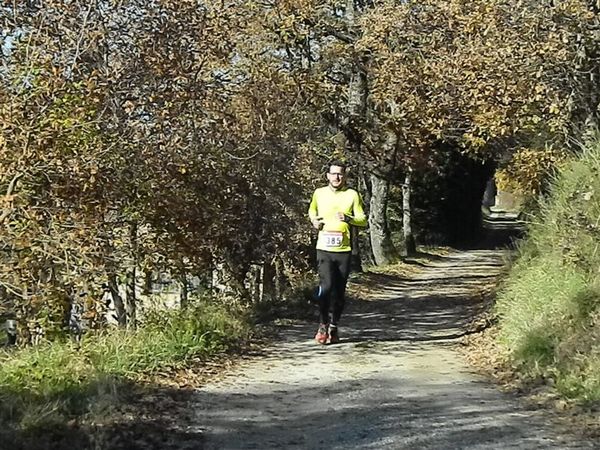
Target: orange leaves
[527,169]
[186,121]
[474,74]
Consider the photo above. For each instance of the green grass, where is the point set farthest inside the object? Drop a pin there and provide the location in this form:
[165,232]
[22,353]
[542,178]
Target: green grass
[49,383]
[549,307]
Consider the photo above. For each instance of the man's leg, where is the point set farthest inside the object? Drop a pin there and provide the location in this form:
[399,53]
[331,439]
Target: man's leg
[340,278]
[326,270]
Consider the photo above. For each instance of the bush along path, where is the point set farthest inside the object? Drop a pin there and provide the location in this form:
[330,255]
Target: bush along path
[396,379]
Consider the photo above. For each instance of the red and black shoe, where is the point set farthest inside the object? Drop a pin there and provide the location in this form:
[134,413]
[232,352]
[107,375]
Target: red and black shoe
[334,337]
[322,335]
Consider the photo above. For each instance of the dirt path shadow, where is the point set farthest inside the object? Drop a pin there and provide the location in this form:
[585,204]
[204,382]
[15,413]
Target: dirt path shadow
[395,380]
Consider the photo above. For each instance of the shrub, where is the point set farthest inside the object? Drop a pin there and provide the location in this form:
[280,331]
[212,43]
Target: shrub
[549,306]
[44,383]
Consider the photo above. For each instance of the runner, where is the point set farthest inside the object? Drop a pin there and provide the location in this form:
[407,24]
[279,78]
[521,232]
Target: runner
[332,210]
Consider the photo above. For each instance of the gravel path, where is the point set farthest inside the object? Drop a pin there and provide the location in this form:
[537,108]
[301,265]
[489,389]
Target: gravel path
[395,381]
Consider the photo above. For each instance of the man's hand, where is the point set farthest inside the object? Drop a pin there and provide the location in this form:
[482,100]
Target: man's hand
[343,217]
[317,222]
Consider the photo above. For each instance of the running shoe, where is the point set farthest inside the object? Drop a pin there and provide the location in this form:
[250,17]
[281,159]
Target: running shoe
[322,336]
[334,338]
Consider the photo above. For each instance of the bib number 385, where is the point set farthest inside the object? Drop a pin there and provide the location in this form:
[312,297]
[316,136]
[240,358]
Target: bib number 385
[332,239]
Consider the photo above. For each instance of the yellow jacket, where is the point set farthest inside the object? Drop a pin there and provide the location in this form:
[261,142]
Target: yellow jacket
[326,202]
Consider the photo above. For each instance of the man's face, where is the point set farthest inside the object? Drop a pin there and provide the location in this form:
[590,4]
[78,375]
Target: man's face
[336,177]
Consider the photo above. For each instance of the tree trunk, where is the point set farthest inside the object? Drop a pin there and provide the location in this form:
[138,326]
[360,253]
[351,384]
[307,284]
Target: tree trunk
[364,185]
[113,287]
[130,294]
[237,277]
[269,274]
[280,281]
[228,279]
[384,251]
[350,9]
[147,282]
[355,260]
[410,247]
[255,283]
[357,93]
[184,291]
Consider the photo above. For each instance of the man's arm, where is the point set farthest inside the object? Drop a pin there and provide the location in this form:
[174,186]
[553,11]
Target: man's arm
[313,213]
[358,219]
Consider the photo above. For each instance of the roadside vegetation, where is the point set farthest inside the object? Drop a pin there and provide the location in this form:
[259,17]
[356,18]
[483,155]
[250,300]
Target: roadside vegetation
[51,383]
[549,308]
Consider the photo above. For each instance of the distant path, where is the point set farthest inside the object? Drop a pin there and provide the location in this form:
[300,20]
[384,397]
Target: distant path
[395,381]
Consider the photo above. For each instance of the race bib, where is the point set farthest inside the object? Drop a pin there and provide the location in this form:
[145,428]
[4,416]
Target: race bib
[332,238]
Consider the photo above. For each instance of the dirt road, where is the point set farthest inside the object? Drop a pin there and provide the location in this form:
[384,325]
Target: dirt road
[395,381]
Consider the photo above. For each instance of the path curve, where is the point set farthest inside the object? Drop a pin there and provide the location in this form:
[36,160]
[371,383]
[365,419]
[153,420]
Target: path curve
[395,381]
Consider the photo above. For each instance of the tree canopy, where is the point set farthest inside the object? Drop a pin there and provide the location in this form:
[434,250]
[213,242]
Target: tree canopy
[186,137]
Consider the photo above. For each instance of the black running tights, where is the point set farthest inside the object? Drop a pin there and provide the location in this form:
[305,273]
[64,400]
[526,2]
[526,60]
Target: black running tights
[334,268]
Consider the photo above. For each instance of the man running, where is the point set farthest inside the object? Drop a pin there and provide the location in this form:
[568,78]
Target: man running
[332,210]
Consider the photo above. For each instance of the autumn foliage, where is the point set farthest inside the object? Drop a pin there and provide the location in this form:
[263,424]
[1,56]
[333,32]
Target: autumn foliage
[175,137]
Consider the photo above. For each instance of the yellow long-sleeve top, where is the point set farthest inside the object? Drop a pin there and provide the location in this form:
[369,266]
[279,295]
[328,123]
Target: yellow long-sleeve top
[326,203]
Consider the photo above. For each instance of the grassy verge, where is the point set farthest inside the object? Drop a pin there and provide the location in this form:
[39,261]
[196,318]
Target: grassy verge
[48,384]
[549,308]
